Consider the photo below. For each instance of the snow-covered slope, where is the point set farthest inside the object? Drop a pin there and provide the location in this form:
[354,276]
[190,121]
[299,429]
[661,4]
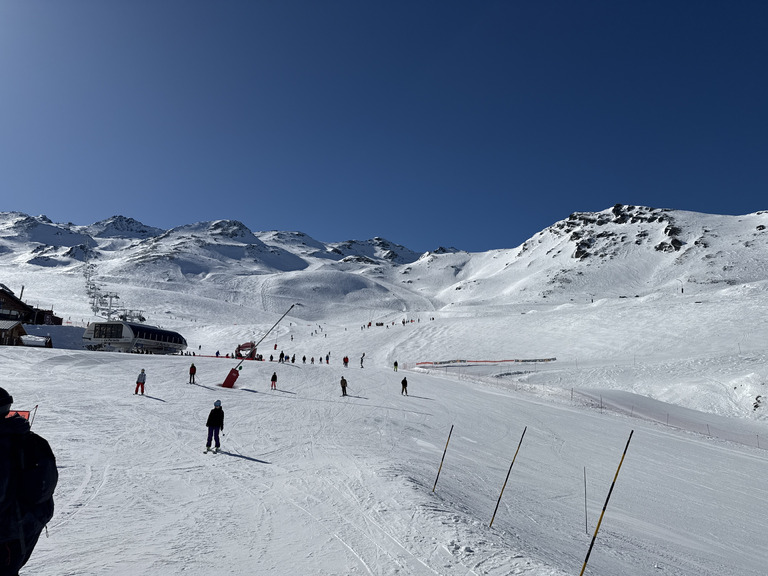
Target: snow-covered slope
[309,482]
[655,318]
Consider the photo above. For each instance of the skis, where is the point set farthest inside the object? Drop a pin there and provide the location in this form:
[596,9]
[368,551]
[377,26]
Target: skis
[214,450]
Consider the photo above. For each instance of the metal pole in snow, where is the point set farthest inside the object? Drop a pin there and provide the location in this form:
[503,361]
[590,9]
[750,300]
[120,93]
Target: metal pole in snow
[443,458]
[34,412]
[268,331]
[584,567]
[508,473]
[586,522]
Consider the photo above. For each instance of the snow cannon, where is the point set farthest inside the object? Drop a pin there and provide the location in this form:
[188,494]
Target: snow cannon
[229,381]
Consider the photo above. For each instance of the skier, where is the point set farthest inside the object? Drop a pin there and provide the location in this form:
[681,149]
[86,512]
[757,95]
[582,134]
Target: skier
[395,365]
[192,372]
[28,478]
[215,424]
[404,382]
[343,386]
[274,381]
[140,380]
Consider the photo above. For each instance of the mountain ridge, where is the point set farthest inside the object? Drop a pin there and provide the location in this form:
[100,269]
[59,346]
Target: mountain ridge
[624,250]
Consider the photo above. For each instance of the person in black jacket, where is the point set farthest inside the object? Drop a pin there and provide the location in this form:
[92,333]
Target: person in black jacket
[215,424]
[28,478]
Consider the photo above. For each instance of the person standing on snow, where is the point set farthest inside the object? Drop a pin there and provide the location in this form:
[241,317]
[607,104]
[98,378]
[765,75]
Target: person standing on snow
[24,510]
[192,372]
[273,380]
[140,380]
[343,386]
[404,382]
[215,424]
[395,365]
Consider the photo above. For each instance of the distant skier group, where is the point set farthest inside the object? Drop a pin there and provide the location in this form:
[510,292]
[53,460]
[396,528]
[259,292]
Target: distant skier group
[215,421]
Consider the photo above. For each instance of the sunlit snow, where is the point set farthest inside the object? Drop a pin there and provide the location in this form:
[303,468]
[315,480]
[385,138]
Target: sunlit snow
[309,482]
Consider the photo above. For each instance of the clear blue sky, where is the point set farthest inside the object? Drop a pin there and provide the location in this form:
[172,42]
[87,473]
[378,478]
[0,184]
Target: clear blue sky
[470,124]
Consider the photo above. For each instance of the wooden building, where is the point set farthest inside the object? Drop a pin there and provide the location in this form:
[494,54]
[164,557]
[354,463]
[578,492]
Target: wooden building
[11,332]
[13,308]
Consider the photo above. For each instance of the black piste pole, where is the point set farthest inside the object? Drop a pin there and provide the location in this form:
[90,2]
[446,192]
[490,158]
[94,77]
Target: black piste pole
[507,478]
[584,567]
[443,458]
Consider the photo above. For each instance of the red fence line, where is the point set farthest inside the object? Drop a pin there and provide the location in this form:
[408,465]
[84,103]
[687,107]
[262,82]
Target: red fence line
[443,362]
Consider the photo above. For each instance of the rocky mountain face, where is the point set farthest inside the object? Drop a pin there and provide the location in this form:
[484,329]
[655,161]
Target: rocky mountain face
[621,251]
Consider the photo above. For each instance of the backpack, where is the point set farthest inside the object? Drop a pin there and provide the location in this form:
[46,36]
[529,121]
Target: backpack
[26,502]
[37,470]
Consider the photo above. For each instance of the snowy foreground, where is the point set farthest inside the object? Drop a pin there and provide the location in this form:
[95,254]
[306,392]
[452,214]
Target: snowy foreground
[312,483]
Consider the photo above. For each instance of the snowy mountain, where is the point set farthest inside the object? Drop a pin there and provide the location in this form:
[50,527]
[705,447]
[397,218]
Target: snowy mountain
[641,320]
[122,227]
[622,251]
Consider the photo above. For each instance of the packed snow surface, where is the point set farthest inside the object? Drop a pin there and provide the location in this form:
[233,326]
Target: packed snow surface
[310,482]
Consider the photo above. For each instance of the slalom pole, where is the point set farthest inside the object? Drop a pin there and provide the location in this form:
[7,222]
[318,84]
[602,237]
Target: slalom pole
[34,411]
[508,473]
[600,521]
[443,458]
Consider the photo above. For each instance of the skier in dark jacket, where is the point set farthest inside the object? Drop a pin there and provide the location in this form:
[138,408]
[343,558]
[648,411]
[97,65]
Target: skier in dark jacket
[404,382]
[215,424]
[343,386]
[21,522]
[192,372]
[273,380]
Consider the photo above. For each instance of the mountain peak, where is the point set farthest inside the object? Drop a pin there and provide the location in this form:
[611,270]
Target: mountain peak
[122,227]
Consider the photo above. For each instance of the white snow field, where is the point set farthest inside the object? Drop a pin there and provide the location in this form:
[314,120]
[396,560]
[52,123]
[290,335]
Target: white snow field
[312,483]
[309,482]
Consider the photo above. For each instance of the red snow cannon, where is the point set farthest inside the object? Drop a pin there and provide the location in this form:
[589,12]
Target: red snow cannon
[229,381]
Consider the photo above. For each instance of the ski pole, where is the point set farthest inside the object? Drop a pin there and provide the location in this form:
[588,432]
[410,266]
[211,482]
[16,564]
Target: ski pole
[33,415]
